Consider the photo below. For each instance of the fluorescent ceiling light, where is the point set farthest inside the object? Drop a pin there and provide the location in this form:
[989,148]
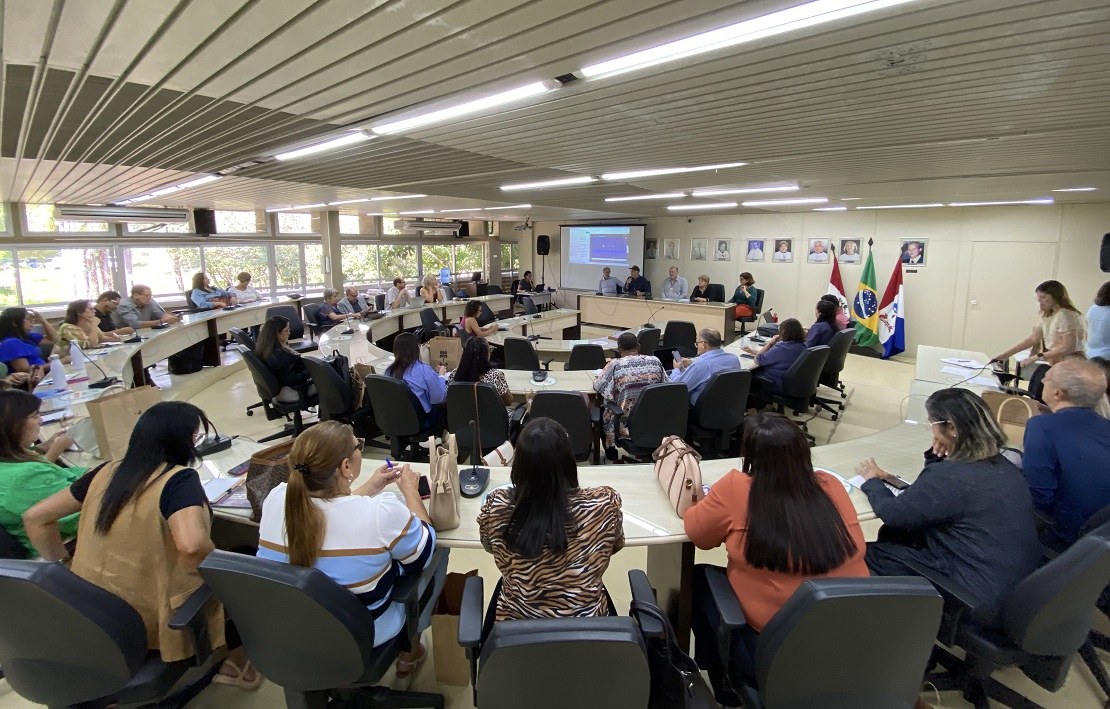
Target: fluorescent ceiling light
[348,139]
[1077,189]
[296,207]
[634,174]
[745,190]
[379,214]
[638,197]
[465,109]
[400,196]
[841,208]
[468,209]
[789,20]
[785,202]
[348,201]
[511,206]
[198,182]
[563,182]
[691,207]
[850,199]
[902,206]
[1046,200]
[420,211]
[172,188]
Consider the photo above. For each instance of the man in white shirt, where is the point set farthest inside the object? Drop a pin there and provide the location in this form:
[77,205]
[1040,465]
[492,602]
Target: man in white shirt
[675,287]
[398,296]
[818,254]
[353,304]
[755,251]
[608,285]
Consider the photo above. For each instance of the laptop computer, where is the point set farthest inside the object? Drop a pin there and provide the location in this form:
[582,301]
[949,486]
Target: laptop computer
[417,302]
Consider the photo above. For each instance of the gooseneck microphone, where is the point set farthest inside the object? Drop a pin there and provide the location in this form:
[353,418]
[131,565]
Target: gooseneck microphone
[106,381]
[473,480]
[350,328]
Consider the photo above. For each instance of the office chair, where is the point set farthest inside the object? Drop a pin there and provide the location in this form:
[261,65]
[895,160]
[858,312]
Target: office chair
[586,357]
[244,340]
[799,657]
[718,416]
[529,305]
[661,410]
[65,641]
[679,335]
[799,384]
[494,290]
[648,340]
[10,546]
[552,663]
[189,304]
[337,399]
[520,354]
[398,413]
[314,638]
[572,411]
[278,401]
[754,317]
[490,416]
[839,345]
[430,326]
[486,316]
[1043,623]
[715,293]
[296,328]
[1098,525]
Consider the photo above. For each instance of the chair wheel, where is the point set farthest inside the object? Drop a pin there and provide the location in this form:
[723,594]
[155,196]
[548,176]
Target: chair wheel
[842,407]
[835,416]
[250,413]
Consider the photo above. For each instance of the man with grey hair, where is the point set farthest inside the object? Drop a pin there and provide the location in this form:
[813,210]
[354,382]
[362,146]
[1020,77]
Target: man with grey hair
[695,373]
[1067,452]
[141,310]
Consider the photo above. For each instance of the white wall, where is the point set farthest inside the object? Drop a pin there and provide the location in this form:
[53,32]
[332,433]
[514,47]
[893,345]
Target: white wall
[936,295]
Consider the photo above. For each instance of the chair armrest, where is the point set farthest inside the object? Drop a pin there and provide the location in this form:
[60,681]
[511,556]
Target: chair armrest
[470,612]
[724,598]
[958,600]
[190,618]
[547,364]
[642,591]
[613,408]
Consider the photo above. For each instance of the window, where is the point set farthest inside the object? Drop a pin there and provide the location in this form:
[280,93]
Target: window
[349,224]
[468,259]
[231,222]
[313,265]
[360,264]
[389,225]
[3,217]
[398,260]
[292,223]
[40,218]
[157,228]
[223,264]
[510,260]
[49,276]
[168,272]
[288,265]
[9,294]
[435,256]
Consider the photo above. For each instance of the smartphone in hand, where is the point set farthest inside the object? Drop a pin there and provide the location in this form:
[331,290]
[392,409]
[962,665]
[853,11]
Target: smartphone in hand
[424,487]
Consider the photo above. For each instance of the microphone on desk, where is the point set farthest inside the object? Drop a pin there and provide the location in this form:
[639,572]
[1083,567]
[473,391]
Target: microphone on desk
[350,328]
[474,480]
[213,443]
[106,381]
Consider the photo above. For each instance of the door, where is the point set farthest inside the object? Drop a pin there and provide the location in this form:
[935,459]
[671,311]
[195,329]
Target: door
[1001,308]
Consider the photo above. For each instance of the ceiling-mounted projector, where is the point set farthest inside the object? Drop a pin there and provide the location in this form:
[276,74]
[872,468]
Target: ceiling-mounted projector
[99,213]
[428,225]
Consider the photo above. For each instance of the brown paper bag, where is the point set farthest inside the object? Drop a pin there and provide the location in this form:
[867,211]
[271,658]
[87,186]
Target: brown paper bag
[452,667]
[114,416]
[1011,412]
[446,351]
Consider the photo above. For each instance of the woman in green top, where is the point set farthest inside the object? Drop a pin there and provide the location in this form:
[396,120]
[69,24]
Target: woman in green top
[745,296]
[28,475]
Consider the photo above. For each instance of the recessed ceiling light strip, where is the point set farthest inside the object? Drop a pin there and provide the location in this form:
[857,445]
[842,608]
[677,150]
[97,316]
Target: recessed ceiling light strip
[695,207]
[655,172]
[745,190]
[785,202]
[465,109]
[333,144]
[640,197]
[562,182]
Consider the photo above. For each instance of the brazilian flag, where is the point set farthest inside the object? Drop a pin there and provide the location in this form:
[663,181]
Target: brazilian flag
[866,306]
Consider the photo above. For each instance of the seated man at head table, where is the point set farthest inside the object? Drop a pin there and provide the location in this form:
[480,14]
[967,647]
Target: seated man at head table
[352,303]
[141,310]
[675,286]
[608,285]
[636,284]
[695,373]
[106,304]
[398,296]
[621,382]
[1067,452]
[328,314]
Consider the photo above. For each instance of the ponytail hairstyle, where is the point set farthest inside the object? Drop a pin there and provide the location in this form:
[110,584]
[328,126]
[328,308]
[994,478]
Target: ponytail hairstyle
[314,464]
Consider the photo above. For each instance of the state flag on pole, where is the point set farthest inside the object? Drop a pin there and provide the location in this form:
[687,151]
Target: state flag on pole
[892,315]
[836,284]
[866,306]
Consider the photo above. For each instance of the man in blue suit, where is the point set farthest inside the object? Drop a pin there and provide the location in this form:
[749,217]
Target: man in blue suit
[1067,452]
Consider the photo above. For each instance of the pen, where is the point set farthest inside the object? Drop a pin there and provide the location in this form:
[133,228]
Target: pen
[389,463]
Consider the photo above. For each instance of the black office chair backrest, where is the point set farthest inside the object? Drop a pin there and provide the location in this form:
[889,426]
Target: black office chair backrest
[490,414]
[522,660]
[63,640]
[430,321]
[296,324]
[529,305]
[397,411]
[486,316]
[648,339]
[265,381]
[494,290]
[839,345]
[310,314]
[1098,524]
[759,293]
[570,410]
[303,631]
[661,410]
[514,286]
[586,357]
[242,337]
[448,293]
[192,307]
[715,293]
[521,354]
[336,397]
[379,301]
[680,334]
[892,621]
[10,547]
[1050,612]
[723,401]
[800,380]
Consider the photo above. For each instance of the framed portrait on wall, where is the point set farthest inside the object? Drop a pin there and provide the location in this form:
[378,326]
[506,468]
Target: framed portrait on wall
[784,251]
[819,250]
[755,250]
[671,250]
[913,252]
[849,250]
[699,249]
[722,250]
[651,248]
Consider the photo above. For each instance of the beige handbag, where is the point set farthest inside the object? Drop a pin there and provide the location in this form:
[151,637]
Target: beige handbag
[678,470]
[443,479]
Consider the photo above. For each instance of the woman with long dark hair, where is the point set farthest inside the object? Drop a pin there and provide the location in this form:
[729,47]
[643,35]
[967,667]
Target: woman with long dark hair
[781,523]
[822,331]
[27,474]
[469,324]
[419,377]
[363,537]
[1060,331]
[272,349]
[20,345]
[205,297]
[474,366]
[551,539]
[145,528]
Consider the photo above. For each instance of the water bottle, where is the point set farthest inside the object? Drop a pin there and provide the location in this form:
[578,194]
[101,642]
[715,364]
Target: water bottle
[76,358]
[58,372]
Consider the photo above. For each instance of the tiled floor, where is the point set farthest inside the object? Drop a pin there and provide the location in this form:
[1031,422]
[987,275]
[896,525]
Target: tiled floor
[877,400]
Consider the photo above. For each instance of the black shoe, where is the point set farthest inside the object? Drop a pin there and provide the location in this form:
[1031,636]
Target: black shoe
[611,454]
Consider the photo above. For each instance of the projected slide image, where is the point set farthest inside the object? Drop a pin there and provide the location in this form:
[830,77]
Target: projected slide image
[585,249]
[599,247]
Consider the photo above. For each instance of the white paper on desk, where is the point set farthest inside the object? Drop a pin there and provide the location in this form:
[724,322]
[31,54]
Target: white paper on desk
[968,363]
[978,381]
[858,481]
[847,485]
[216,488]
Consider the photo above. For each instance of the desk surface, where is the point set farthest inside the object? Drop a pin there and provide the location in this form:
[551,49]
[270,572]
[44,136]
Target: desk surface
[624,312]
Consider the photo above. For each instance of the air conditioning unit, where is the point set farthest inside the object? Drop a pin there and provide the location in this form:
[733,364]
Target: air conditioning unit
[97,213]
[426,225]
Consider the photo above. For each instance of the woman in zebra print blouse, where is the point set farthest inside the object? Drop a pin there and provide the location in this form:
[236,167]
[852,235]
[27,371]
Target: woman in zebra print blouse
[551,539]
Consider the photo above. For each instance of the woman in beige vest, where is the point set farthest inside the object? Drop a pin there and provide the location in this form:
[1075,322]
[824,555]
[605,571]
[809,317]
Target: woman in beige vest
[144,530]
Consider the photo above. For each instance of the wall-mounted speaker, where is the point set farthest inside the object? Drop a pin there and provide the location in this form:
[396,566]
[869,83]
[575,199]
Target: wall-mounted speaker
[543,245]
[1104,254]
[205,221]
[464,229]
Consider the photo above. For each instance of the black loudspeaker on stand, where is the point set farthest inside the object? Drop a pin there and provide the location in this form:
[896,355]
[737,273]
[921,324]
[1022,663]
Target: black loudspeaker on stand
[543,248]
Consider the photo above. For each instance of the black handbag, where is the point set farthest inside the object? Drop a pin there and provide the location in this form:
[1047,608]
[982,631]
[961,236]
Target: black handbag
[676,681]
